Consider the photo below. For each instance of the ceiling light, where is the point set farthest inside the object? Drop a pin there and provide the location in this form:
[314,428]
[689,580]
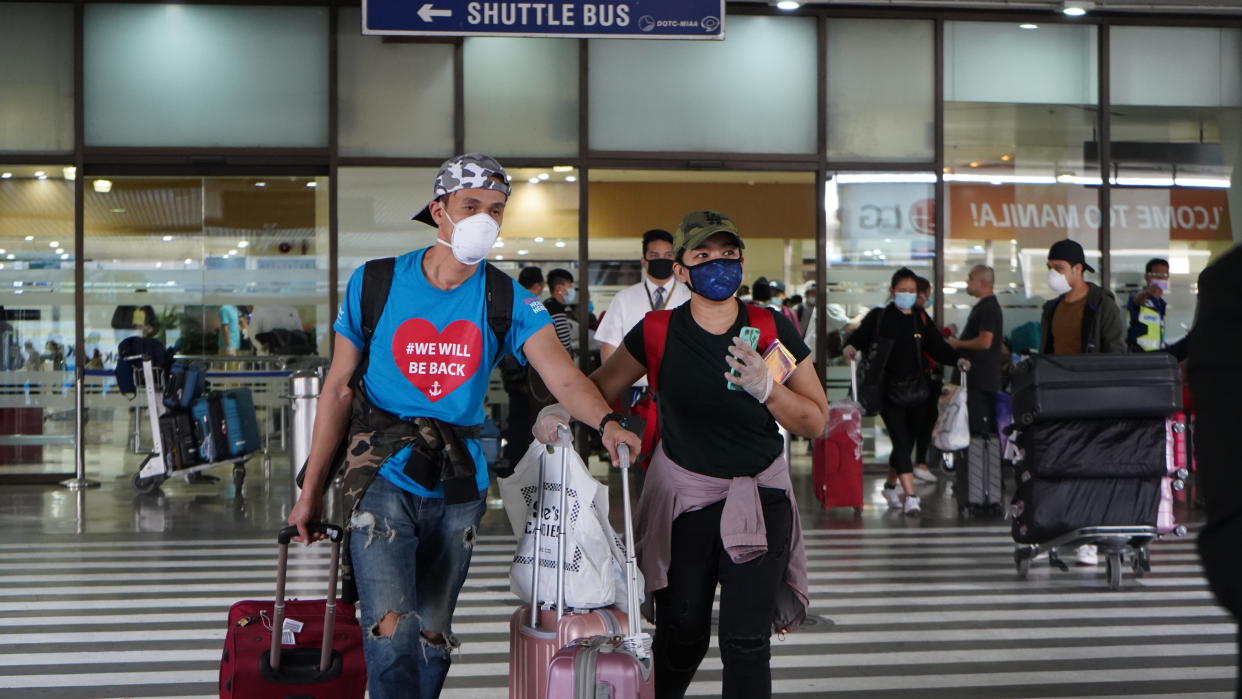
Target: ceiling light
[1007,157]
[975,163]
[243,243]
[167,239]
[571,178]
[560,243]
[312,185]
[539,239]
[60,251]
[534,180]
[544,176]
[498,244]
[562,168]
[523,252]
[499,257]
[102,186]
[189,261]
[117,210]
[260,184]
[5,175]
[41,175]
[788,5]
[29,238]
[53,244]
[70,173]
[232,252]
[158,265]
[10,256]
[1028,25]
[2,251]
[1077,8]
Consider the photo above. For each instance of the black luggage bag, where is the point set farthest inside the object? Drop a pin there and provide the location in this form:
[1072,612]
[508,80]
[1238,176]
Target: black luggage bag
[177,436]
[1085,386]
[1107,448]
[1046,508]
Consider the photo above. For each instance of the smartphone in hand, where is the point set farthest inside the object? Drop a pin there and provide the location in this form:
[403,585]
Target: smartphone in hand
[750,336]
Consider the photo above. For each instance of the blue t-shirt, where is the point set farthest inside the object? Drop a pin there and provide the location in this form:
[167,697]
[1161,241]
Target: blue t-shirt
[229,318]
[433,352]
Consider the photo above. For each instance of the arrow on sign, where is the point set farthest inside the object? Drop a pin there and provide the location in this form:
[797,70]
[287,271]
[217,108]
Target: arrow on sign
[428,12]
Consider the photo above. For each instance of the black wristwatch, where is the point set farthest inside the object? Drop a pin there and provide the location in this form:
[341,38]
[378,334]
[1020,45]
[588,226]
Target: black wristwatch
[612,417]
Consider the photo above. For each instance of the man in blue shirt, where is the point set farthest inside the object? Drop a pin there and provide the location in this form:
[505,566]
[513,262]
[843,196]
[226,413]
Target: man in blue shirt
[415,477]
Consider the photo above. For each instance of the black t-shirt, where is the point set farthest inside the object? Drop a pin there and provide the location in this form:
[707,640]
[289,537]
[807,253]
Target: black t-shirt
[905,359]
[705,427]
[985,369]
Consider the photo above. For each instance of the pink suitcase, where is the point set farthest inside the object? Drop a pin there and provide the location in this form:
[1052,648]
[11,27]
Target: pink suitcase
[620,667]
[534,637]
[1174,482]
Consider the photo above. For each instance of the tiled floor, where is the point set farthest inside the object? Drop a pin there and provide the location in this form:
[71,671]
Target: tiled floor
[108,594]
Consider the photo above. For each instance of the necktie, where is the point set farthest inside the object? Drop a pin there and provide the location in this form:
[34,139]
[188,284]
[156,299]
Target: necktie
[659,299]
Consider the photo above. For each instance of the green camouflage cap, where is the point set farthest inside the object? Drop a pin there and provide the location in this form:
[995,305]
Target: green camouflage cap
[469,171]
[698,226]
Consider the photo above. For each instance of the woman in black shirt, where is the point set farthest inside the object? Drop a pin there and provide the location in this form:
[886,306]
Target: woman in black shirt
[906,388]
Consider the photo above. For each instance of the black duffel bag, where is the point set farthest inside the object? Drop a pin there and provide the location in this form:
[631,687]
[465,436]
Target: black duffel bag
[1107,448]
[1086,386]
[1045,509]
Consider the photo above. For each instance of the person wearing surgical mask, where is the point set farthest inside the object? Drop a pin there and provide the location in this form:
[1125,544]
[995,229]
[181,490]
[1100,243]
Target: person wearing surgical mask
[911,336]
[404,396]
[562,295]
[718,508]
[1146,309]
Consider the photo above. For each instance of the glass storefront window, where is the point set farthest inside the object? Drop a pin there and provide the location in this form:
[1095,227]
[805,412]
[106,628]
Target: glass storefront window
[754,93]
[1021,159]
[36,77]
[396,97]
[206,75]
[521,86]
[37,357]
[1177,139]
[881,95]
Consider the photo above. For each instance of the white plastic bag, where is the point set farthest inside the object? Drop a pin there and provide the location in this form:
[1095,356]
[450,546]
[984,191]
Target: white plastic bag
[952,431]
[594,554]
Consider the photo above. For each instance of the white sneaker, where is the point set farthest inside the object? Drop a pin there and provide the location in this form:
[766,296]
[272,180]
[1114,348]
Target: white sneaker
[893,496]
[925,475]
[1086,555]
[912,505]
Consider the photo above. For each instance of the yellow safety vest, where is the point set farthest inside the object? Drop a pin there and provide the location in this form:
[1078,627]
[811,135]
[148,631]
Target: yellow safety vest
[1153,333]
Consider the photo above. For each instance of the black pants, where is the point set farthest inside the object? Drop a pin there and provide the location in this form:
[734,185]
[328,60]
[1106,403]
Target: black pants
[747,602]
[518,429]
[923,439]
[903,430]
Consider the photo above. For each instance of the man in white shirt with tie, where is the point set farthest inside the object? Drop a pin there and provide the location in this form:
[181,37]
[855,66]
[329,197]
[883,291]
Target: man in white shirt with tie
[657,291]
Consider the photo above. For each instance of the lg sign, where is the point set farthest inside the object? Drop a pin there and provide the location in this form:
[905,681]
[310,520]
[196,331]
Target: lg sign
[921,217]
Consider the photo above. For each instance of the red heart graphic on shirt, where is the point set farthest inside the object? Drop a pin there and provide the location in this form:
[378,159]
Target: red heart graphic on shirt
[437,362]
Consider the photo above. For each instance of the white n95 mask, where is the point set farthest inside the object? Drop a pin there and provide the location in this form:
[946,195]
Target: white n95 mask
[473,237]
[1057,282]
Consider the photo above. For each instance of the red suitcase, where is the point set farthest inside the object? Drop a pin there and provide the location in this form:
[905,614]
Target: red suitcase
[325,662]
[614,666]
[535,638]
[836,458]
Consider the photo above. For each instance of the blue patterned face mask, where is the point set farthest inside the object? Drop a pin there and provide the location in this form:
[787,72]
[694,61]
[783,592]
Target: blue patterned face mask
[716,279]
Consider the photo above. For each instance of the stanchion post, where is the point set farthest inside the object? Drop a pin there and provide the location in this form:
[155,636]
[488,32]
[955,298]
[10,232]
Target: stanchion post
[79,481]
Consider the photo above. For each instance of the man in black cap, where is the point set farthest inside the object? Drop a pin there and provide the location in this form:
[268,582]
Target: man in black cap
[1083,318]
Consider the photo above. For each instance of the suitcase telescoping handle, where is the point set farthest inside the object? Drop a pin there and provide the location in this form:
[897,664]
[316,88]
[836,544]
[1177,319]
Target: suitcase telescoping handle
[334,534]
[854,379]
[639,643]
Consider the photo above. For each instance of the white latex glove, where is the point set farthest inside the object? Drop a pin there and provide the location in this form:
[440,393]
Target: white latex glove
[850,352]
[963,364]
[550,418]
[753,375]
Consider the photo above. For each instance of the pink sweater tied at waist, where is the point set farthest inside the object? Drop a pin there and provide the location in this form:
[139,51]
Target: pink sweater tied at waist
[671,490]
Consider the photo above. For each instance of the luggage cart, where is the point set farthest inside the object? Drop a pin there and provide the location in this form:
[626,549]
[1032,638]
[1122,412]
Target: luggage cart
[155,469]
[1120,545]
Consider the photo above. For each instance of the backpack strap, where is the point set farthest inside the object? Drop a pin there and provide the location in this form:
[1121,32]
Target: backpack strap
[655,337]
[499,293]
[376,282]
[761,317]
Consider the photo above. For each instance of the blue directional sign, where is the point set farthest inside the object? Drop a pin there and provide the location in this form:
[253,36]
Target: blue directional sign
[581,19]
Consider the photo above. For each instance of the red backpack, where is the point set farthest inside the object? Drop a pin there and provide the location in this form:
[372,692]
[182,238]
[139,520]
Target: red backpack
[655,338]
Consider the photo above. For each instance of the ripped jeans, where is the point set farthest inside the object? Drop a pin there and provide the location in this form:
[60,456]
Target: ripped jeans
[410,556]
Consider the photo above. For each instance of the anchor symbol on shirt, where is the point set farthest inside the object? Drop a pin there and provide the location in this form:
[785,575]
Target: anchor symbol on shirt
[435,389]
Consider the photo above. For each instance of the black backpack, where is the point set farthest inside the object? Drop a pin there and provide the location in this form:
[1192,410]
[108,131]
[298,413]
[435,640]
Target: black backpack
[376,283]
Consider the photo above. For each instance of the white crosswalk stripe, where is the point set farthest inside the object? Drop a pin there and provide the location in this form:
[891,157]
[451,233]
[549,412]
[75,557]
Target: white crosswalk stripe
[893,611]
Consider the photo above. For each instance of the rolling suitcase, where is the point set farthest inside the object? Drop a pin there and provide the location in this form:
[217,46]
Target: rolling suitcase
[177,436]
[324,661]
[186,382]
[978,488]
[836,459]
[603,665]
[1046,508]
[242,424]
[537,632]
[1059,387]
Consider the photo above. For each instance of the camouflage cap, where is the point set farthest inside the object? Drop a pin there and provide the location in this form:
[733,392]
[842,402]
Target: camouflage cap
[469,171]
[698,226]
